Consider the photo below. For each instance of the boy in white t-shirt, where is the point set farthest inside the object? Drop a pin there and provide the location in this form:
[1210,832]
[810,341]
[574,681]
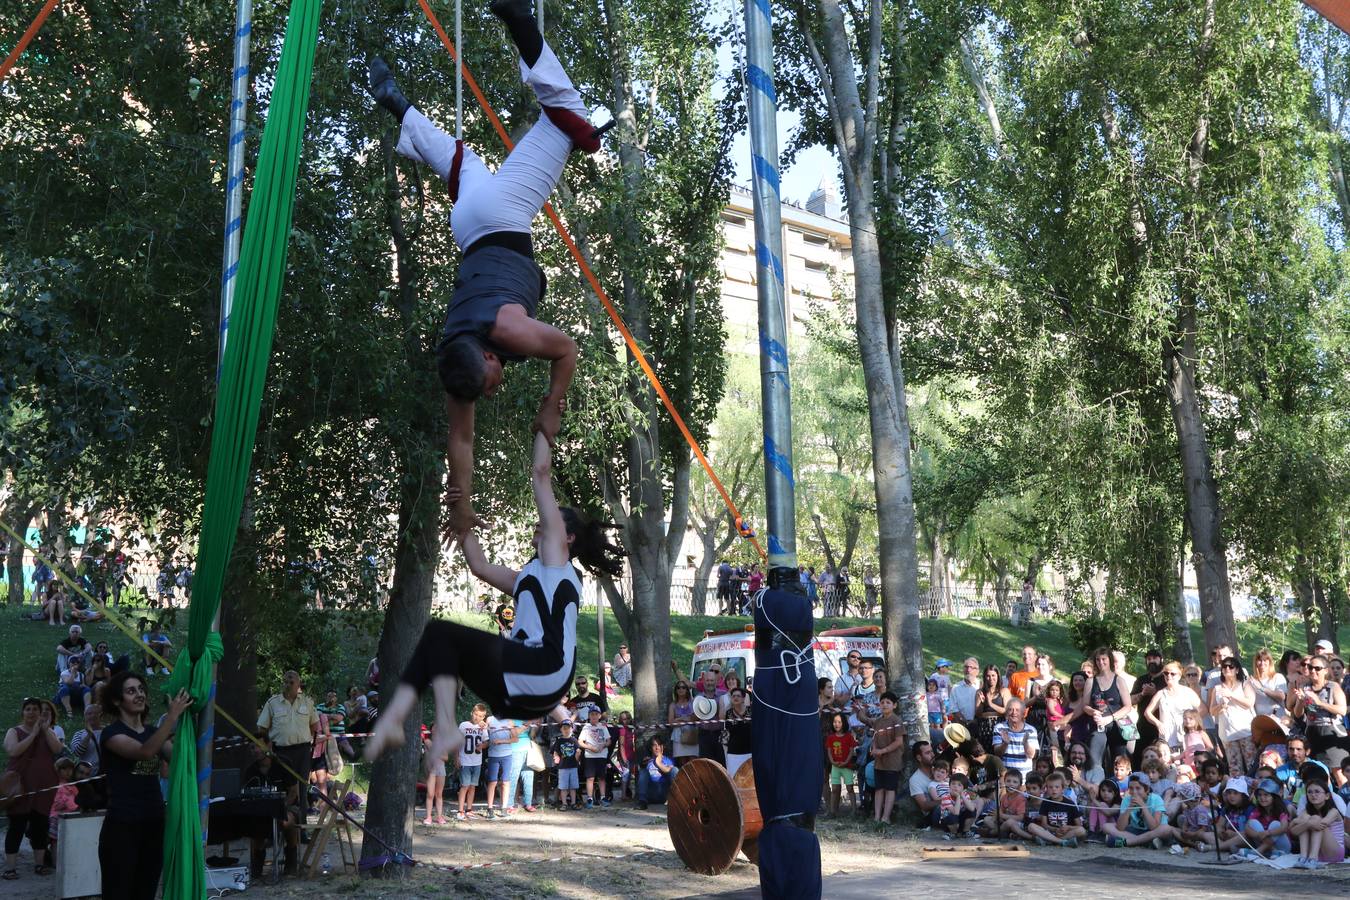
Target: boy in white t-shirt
[471,759]
[594,742]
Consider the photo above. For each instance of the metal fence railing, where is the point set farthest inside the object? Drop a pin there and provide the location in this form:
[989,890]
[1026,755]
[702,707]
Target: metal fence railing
[690,595]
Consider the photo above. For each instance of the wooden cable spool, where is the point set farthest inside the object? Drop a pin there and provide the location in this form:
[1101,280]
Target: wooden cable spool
[712,816]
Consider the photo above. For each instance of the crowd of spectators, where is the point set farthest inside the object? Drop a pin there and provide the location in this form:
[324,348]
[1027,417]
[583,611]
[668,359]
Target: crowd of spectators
[1176,757]
[91,691]
[1256,764]
[835,592]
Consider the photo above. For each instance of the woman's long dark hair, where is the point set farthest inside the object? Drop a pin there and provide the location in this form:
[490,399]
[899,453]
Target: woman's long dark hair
[984,677]
[1240,674]
[112,694]
[591,546]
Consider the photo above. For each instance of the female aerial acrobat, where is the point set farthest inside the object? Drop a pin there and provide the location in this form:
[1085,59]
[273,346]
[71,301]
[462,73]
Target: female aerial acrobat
[491,316]
[525,674]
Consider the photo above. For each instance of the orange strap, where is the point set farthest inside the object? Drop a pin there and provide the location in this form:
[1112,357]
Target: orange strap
[595,286]
[27,36]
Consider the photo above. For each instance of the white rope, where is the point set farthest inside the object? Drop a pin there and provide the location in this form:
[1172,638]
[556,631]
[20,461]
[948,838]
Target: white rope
[459,71]
[784,656]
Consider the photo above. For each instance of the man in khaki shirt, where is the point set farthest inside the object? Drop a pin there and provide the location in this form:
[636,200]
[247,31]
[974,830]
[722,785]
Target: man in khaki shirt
[289,721]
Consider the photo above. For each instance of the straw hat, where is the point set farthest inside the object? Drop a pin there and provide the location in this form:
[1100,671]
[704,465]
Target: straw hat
[1268,730]
[955,733]
[705,708]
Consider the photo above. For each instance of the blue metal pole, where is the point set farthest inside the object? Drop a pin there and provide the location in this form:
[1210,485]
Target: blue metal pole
[779,479]
[234,228]
[234,186]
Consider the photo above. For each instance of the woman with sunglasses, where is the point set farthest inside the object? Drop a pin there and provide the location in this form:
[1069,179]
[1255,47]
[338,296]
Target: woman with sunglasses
[1232,702]
[1268,685]
[1168,707]
[32,749]
[684,738]
[1321,706]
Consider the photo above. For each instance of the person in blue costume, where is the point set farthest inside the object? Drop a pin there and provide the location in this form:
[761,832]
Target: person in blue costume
[788,752]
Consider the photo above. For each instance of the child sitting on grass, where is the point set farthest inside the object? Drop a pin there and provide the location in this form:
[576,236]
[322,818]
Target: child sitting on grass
[1320,829]
[1105,809]
[1122,768]
[1142,819]
[1212,774]
[1034,786]
[1234,813]
[1162,787]
[1058,821]
[1194,821]
[957,808]
[1268,828]
[1012,806]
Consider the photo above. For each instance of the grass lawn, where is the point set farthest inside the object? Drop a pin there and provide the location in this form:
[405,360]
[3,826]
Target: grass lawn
[28,655]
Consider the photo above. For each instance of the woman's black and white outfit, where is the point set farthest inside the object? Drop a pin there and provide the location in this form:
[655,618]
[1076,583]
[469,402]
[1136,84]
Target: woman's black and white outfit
[522,676]
[494,212]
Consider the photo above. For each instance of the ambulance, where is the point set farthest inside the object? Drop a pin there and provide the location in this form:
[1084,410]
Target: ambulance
[734,651]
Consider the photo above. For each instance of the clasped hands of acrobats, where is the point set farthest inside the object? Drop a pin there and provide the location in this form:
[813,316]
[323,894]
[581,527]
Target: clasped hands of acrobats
[490,323]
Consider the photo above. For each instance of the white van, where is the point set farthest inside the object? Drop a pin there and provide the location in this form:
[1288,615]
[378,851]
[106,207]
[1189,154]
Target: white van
[734,651]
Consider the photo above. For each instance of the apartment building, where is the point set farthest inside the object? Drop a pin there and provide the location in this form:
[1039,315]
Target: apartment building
[817,261]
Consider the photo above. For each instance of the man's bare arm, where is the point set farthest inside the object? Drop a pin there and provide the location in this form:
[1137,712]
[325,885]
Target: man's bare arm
[517,333]
[459,454]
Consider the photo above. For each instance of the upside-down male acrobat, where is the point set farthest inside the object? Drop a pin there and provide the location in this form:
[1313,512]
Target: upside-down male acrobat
[525,674]
[491,316]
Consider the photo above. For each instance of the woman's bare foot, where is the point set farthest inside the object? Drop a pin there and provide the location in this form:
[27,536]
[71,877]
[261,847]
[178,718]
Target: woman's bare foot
[388,732]
[388,735]
[445,742]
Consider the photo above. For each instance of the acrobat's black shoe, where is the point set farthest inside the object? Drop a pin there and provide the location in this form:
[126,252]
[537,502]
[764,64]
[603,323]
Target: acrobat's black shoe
[518,16]
[506,10]
[385,90]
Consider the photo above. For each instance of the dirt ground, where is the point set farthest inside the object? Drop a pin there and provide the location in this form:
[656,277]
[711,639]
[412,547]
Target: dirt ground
[853,854]
[858,860]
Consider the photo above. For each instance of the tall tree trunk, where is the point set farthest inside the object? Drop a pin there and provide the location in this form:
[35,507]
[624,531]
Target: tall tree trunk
[394,778]
[18,514]
[939,578]
[1337,167]
[852,105]
[699,592]
[1182,651]
[1204,513]
[1307,600]
[1326,611]
[241,605]
[824,539]
[58,533]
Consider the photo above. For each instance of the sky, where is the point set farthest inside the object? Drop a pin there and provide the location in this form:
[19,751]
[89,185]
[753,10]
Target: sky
[798,180]
[803,176]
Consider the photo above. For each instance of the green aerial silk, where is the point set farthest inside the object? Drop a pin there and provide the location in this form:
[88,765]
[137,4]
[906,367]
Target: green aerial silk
[262,270]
